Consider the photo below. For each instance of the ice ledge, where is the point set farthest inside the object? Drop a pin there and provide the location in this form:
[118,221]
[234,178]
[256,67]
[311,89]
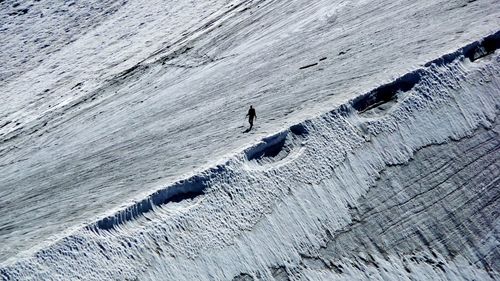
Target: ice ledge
[399,183]
[380,98]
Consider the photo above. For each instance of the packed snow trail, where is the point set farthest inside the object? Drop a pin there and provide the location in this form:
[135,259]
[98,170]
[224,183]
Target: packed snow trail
[400,183]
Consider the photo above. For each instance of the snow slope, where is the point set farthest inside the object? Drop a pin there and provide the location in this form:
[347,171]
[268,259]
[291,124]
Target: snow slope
[109,119]
[400,183]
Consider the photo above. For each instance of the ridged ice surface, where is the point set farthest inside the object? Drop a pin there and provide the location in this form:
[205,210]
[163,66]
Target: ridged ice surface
[385,165]
[404,187]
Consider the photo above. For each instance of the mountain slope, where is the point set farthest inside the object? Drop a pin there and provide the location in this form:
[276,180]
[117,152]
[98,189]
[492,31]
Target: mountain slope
[134,99]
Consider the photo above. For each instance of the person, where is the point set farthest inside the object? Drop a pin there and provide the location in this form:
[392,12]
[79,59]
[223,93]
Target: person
[251,116]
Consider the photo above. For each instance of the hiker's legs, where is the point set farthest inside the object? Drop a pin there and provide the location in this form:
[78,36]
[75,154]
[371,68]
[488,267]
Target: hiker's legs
[250,120]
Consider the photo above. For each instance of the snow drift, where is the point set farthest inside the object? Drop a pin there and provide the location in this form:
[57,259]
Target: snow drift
[399,183]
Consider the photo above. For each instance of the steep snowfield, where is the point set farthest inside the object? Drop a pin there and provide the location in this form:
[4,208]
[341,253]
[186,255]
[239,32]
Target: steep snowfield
[400,183]
[397,183]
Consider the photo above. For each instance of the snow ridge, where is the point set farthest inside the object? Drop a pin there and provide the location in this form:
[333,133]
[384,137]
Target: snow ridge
[400,183]
[273,145]
[384,93]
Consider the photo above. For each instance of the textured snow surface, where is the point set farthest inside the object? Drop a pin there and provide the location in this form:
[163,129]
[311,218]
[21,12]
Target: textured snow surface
[396,182]
[399,183]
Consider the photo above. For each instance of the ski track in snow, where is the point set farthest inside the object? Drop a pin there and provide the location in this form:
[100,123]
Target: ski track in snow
[400,182]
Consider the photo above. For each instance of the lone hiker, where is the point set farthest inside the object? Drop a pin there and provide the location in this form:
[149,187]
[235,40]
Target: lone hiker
[251,116]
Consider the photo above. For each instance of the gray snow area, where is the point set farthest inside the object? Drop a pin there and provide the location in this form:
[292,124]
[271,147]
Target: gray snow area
[374,156]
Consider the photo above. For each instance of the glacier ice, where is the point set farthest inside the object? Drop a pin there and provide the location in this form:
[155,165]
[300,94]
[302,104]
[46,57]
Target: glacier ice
[105,102]
[398,184]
